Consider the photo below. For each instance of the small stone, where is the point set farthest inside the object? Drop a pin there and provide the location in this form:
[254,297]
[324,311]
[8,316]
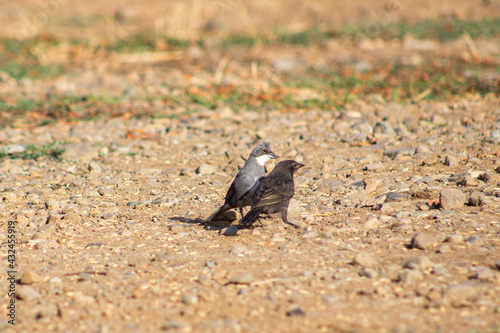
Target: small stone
[188,172]
[368,272]
[243,278]
[483,274]
[55,280]
[450,161]
[372,223]
[229,231]
[138,203]
[52,205]
[393,153]
[474,240]
[295,312]
[27,293]
[420,262]
[371,185]
[206,169]
[328,186]
[29,277]
[175,326]
[80,297]
[422,149]
[423,241]
[189,299]
[91,194]
[364,259]
[455,238]
[407,276]
[468,180]
[451,198]
[105,191]
[330,298]
[79,151]
[294,210]
[296,223]
[309,234]
[237,250]
[438,119]
[461,295]
[444,248]
[204,278]
[108,215]
[94,167]
[496,265]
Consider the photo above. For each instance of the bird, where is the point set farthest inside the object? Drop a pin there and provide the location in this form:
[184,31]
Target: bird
[273,193]
[240,192]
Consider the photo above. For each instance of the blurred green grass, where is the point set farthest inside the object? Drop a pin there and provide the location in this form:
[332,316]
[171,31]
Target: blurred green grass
[433,79]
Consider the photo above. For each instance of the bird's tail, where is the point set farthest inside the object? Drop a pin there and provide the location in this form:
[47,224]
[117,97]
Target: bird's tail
[219,211]
[251,216]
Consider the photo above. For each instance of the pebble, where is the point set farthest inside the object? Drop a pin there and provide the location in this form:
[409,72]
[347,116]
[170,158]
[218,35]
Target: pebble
[94,167]
[188,172]
[444,248]
[423,241]
[451,198]
[365,260]
[29,277]
[229,231]
[455,238]
[420,262]
[27,293]
[368,272]
[407,276]
[296,223]
[394,153]
[460,295]
[206,169]
[237,250]
[297,311]
[242,278]
[474,240]
[189,299]
[77,151]
[483,274]
[309,234]
[329,186]
[176,326]
[294,210]
[450,161]
[105,191]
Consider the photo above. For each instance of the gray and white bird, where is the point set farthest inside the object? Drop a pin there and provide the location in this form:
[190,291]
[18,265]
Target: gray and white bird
[241,190]
[272,194]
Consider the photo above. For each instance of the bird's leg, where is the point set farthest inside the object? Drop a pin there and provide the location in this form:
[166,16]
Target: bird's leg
[241,212]
[284,215]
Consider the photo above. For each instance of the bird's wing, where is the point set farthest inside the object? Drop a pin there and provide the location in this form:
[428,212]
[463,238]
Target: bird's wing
[241,184]
[267,194]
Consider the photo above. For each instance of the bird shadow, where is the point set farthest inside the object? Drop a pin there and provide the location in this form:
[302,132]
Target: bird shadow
[201,222]
[198,221]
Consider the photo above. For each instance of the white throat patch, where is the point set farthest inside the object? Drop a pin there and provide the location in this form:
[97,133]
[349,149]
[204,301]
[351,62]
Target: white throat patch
[261,160]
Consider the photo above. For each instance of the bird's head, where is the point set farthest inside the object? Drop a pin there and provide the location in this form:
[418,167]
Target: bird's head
[263,153]
[290,165]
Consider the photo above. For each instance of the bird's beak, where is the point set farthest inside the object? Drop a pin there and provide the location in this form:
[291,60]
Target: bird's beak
[299,165]
[273,155]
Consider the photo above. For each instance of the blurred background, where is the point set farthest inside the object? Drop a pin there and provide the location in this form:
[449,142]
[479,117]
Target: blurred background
[164,58]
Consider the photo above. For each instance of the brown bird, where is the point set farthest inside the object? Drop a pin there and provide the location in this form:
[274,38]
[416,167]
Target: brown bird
[273,193]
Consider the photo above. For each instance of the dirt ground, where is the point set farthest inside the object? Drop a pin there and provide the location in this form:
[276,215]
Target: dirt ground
[398,207]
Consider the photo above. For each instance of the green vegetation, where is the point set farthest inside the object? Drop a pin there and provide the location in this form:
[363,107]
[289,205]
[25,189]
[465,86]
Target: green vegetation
[50,150]
[433,79]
